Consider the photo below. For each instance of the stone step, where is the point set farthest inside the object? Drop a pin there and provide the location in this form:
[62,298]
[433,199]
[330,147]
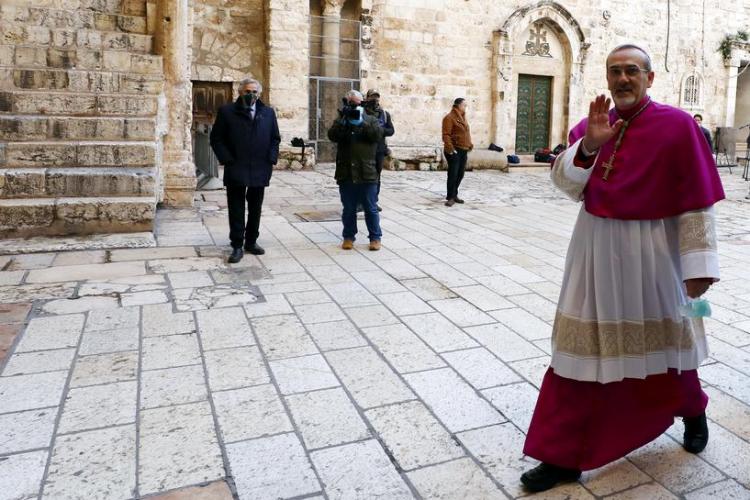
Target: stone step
[21,128]
[72,19]
[129,7]
[83,81]
[78,154]
[76,182]
[72,104]
[80,58]
[24,218]
[35,36]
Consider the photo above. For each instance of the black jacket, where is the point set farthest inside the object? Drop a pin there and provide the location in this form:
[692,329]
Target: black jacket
[247,148]
[355,150]
[707,135]
[384,119]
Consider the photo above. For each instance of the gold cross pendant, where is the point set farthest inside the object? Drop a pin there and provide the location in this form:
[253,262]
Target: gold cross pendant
[608,166]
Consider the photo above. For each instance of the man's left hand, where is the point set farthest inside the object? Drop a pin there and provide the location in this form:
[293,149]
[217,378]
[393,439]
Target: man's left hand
[697,286]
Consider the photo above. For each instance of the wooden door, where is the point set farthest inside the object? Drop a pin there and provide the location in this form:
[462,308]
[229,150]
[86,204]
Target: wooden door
[533,113]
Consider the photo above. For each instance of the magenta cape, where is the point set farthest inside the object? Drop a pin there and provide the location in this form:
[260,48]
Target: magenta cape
[663,168]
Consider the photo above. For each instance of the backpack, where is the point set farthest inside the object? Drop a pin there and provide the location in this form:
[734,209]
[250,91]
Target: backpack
[543,155]
[513,159]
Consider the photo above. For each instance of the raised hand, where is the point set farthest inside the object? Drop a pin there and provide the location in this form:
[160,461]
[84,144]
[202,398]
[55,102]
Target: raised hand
[598,129]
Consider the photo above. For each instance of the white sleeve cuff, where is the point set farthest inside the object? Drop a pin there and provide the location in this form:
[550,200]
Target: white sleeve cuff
[701,264]
[567,177]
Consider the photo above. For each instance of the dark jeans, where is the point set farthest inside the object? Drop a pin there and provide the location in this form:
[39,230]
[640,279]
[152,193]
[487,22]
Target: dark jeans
[366,195]
[379,158]
[456,168]
[239,232]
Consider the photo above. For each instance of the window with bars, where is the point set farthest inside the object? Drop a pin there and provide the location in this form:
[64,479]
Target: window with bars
[691,91]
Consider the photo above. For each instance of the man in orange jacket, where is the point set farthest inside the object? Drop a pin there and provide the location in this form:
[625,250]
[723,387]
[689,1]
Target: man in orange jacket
[456,145]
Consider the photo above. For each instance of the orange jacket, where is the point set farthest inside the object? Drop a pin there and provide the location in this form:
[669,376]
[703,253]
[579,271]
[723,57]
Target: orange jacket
[456,132]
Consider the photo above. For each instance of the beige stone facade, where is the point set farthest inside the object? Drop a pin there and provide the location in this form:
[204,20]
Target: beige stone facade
[96,111]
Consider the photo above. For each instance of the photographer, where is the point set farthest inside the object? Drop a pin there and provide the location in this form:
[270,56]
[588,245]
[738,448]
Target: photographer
[372,107]
[357,134]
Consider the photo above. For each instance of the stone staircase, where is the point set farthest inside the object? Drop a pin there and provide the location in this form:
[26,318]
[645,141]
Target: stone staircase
[79,93]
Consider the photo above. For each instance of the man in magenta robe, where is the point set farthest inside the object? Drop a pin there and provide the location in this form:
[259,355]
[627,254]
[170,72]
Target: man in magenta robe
[625,347]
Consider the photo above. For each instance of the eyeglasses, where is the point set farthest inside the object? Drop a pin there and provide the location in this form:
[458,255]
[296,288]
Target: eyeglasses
[629,71]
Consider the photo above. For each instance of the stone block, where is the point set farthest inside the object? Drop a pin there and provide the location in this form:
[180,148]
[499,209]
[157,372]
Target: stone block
[131,24]
[87,128]
[14,128]
[31,57]
[119,105]
[46,103]
[40,79]
[116,60]
[63,38]
[62,58]
[21,183]
[145,63]
[15,214]
[139,84]
[115,155]
[127,41]
[102,181]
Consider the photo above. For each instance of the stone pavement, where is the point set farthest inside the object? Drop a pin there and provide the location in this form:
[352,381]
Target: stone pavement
[312,372]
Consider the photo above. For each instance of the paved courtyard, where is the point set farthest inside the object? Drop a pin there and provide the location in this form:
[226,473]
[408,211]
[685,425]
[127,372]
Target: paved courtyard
[313,372]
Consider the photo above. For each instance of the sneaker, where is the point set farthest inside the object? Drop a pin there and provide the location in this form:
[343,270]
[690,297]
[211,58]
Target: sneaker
[695,438]
[546,476]
[347,245]
[375,245]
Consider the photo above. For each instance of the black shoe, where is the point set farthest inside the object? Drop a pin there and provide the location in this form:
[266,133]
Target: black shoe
[236,256]
[494,147]
[450,203]
[379,209]
[254,249]
[546,476]
[360,208]
[695,438]
[458,200]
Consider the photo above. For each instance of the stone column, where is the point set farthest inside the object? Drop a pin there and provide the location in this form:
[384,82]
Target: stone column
[331,32]
[288,40]
[173,39]
[733,67]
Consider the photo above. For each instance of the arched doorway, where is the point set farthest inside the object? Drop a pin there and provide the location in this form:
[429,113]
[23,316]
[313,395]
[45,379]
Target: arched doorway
[538,57]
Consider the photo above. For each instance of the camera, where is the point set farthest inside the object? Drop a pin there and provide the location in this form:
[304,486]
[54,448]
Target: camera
[351,112]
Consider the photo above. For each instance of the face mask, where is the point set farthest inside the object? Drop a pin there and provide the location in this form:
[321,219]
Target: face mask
[250,99]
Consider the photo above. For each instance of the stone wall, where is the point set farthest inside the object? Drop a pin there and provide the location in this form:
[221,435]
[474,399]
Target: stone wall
[229,40]
[424,53]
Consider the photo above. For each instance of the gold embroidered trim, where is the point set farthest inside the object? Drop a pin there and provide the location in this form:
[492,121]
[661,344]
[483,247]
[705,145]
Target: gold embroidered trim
[697,231]
[613,339]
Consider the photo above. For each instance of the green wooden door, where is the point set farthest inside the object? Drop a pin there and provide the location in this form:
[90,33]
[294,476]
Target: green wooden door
[532,117]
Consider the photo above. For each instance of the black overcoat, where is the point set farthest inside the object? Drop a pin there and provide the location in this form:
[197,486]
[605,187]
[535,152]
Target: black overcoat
[247,148]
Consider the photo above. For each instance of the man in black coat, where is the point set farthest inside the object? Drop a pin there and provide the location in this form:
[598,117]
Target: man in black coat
[246,141]
[706,133]
[372,106]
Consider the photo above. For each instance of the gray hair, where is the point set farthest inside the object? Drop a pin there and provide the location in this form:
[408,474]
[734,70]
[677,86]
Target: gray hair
[252,80]
[355,93]
[626,46]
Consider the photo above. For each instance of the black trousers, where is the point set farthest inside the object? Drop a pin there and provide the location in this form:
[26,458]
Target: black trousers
[456,169]
[237,196]
[379,158]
